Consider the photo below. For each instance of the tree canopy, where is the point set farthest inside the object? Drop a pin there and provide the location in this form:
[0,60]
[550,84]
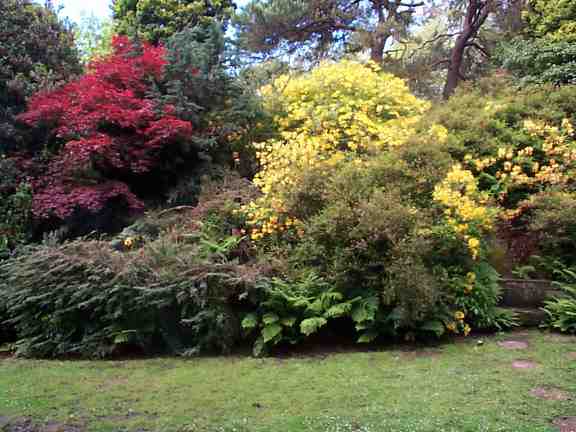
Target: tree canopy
[156,20]
[546,53]
[325,25]
[553,19]
[41,52]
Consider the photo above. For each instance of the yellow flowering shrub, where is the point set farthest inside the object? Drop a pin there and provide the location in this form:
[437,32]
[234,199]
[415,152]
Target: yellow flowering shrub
[466,211]
[337,113]
[519,172]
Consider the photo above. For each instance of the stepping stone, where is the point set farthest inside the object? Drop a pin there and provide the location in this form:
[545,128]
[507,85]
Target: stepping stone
[4,422]
[513,344]
[523,364]
[565,424]
[550,393]
[572,355]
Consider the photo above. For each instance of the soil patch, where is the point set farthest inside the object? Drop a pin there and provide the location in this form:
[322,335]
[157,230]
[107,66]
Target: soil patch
[572,355]
[513,344]
[26,425]
[524,364]
[561,338]
[521,333]
[6,355]
[565,424]
[550,393]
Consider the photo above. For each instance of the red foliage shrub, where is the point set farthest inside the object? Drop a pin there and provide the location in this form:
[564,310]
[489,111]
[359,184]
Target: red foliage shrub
[109,125]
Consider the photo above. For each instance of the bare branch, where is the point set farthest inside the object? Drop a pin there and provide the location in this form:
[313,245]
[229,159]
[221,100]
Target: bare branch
[478,47]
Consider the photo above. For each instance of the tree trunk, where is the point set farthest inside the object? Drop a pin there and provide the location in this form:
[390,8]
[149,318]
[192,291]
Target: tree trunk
[455,66]
[378,39]
[377,49]
[476,14]
[516,21]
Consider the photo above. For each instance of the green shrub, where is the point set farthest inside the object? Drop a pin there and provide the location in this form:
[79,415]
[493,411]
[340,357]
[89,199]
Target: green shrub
[372,231]
[540,61]
[289,311]
[552,219]
[518,145]
[177,288]
[81,299]
[41,54]
[491,113]
[15,208]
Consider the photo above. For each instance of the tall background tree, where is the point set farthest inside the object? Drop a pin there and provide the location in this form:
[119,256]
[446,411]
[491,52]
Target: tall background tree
[325,26]
[156,20]
[465,36]
[434,44]
[476,13]
[37,50]
[552,19]
[546,52]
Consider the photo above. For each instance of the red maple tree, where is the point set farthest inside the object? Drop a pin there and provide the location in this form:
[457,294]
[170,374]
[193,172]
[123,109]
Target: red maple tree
[110,127]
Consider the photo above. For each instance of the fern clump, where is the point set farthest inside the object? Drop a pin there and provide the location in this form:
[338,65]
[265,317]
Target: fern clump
[561,311]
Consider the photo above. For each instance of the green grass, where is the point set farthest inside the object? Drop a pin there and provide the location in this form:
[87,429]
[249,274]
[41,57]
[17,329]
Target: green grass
[463,388]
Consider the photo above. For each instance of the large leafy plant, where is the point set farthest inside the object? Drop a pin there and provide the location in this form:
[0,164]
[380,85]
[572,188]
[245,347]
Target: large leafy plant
[289,311]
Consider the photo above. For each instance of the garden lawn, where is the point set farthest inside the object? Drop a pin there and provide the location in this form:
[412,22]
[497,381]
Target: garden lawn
[459,386]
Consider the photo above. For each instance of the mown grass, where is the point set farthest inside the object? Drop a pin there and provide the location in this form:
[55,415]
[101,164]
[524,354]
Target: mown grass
[459,387]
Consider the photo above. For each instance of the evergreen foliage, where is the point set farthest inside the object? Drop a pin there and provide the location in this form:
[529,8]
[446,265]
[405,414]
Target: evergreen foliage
[156,20]
[540,61]
[547,53]
[323,27]
[552,19]
[176,291]
[37,52]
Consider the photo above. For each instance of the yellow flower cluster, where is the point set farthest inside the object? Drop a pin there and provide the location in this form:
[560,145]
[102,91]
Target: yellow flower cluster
[334,114]
[458,325]
[459,316]
[551,163]
[470,283]
[265,220]
[466,210]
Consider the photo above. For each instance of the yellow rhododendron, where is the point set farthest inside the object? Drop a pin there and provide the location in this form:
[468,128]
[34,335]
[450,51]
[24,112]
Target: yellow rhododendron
[553,163]
[465,209]
[337,113]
